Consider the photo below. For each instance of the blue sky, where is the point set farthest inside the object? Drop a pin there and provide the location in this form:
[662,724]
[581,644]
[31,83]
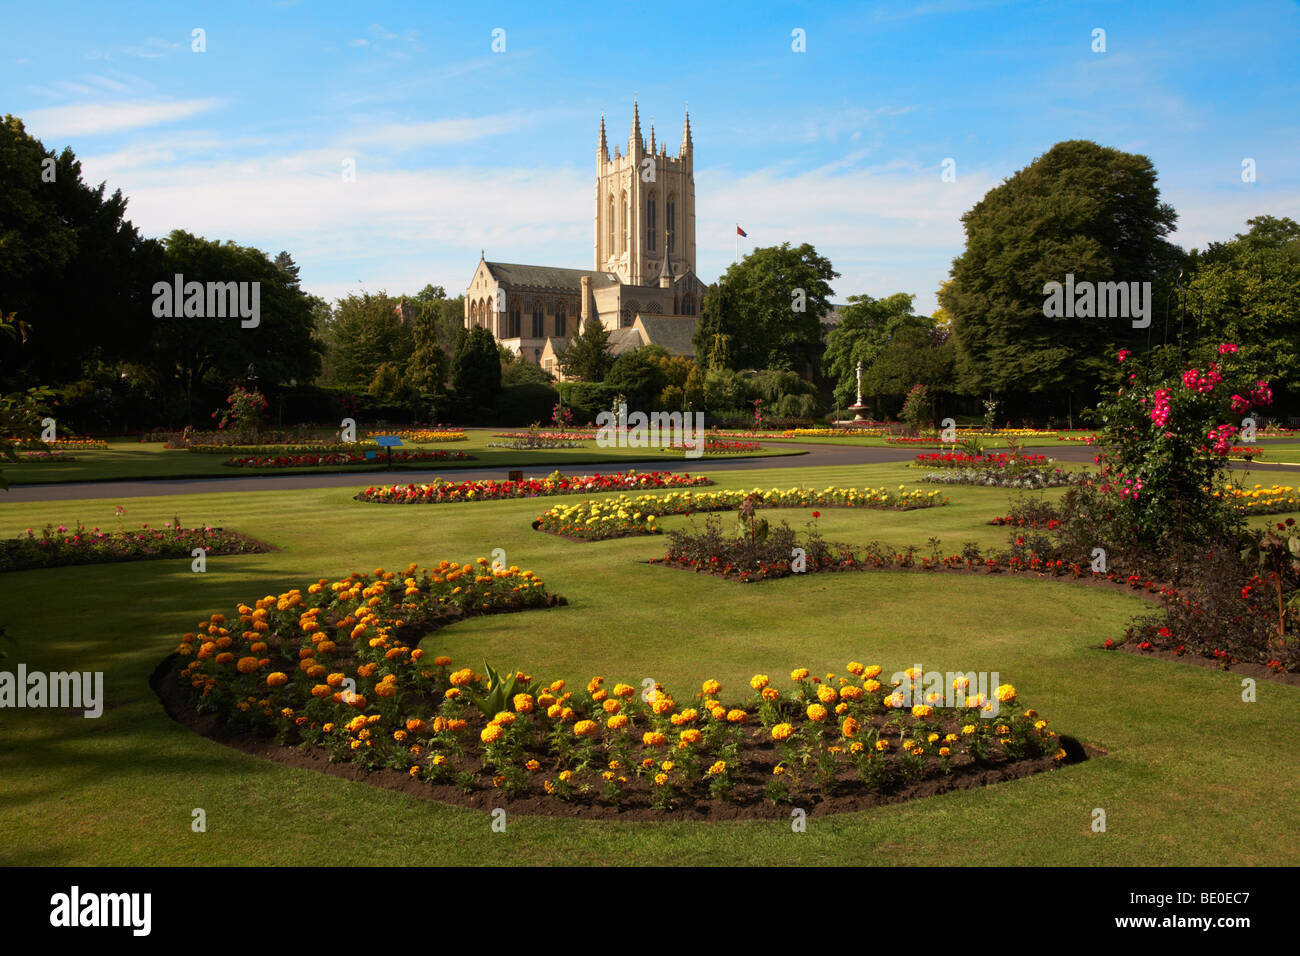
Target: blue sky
[458,148]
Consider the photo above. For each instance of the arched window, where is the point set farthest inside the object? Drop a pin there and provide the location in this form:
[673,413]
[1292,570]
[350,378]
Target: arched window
[539,319]
[515,321]
[670,222]
[626,212]
[561,319]
[650,224]
[626,318]
[609,228]
[688,304]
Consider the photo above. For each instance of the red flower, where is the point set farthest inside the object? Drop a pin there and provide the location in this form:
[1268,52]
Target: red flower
[817,514]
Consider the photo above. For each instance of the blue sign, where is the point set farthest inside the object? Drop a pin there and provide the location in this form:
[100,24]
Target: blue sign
[388,441]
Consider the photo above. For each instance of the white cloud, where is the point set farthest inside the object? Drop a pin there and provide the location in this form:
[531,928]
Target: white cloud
[91,118]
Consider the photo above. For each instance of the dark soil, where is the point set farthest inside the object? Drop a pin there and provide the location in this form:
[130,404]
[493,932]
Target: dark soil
[747,801]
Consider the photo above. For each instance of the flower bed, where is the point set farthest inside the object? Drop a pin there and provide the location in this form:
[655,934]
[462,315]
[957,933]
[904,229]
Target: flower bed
[45,456]
[1016,522]
[959,459]
[999,478]
[274,449]
[921,442]
[345,458]
[535,442]
[713,446]
[423,436]
[440,491]
[55,547]
[59,443]
[1278,499]
[317,671]
[557,435]
[600,519]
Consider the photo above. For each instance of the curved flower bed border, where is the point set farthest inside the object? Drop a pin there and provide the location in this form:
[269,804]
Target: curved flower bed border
[958,459]
[281,668]
[713,446]
[422,436]
[441,492]
[62,547]
[621,517]
[355,458]
[998,478]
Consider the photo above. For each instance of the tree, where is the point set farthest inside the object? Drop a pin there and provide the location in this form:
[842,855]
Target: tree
[639,377]
[1079,209]
[364,334]
[284,262]
[202,358]
[769,306]
[71,264]
[864,333]
[1245,291]
[476,369]
[587,356]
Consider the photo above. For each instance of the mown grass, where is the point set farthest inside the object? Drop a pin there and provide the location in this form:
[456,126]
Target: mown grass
[1193,776]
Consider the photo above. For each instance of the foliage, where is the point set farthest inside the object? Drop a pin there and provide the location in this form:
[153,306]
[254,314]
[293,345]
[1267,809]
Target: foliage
[918,408]
[586,356]
[476,369]
[244,412]
[757,306]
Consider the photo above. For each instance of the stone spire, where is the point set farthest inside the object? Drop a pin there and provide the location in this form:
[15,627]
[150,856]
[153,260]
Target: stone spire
[602,149]
[652,136]
[687,145]
[635,139]
[666,270]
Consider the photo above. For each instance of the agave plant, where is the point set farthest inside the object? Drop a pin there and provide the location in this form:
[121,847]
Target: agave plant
[501,690]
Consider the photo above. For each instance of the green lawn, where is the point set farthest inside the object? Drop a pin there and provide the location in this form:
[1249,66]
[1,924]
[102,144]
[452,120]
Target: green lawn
[1193,775]
[127,459]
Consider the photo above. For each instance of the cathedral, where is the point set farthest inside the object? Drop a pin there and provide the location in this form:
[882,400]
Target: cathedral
[642,286]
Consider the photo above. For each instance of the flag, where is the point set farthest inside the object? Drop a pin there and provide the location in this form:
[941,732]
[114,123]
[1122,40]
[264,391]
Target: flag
[741,232]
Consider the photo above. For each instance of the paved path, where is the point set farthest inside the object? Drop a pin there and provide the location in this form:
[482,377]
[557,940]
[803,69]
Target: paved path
[818,456]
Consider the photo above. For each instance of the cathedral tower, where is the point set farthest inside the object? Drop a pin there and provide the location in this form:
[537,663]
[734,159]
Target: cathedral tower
[645,202]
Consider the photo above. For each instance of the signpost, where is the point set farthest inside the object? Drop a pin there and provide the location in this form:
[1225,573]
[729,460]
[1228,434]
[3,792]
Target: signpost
[389,442]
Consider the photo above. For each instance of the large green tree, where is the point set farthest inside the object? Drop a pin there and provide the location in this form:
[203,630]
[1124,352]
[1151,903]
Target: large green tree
[863,334]
[71,265]
[476,369]
[586,356]
[1246,291]
[365,333]
[769,306]
[1079,209]
[200,358]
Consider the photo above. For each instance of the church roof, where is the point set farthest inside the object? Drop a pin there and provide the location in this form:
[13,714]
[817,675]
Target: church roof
[623,340]
[671,332]
[547,277]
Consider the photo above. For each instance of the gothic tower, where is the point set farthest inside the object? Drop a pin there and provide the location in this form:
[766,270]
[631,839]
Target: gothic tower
[645,201]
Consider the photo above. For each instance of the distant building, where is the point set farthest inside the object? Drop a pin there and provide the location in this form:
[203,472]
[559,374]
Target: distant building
[643,286]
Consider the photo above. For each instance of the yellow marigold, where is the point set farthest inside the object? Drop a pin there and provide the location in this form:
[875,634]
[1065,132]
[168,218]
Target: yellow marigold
[854,668]
[882,745]
[922,710]
[778,770]
[566,713]
[321,691]
[691,736]
[960,683]
[712,688]
[759,681]
[385,689]
[246,665]
[617,722]
[439,760]
[816,713]
[653,738]
[944,751]
[415,725]
[661,779]
[827,695]
[799,674]
[554,711]
[856,747]
[585,728]
[277,679]
[718,768]
[491,733]
[771,693]
[612,706]
[849,728]
[461,677]
[442,660]
[662,704]
[968,729]
[871,672]
[399,735]
[782,731]
[1059,755]
[566,775]
[533,766]
[718,713]
[624,690]
[737,716]
[1006,693]
[556,686]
